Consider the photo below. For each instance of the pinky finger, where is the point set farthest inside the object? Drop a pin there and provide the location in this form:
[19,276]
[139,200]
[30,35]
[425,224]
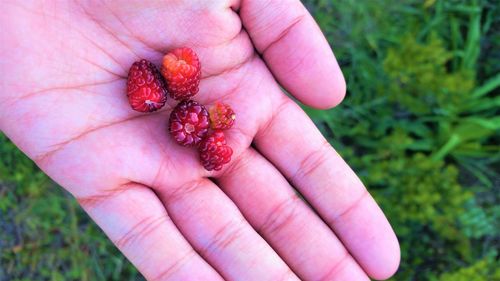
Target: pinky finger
[136,221]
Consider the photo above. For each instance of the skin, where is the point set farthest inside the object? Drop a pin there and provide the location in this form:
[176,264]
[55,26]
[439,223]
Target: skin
[62,101]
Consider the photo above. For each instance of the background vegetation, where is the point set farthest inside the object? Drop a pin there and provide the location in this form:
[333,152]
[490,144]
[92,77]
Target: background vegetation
[420,125]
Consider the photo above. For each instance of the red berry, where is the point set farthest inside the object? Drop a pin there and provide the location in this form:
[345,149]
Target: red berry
[222,116]
[146,90]
[182,70]
[214,152]
[188,123]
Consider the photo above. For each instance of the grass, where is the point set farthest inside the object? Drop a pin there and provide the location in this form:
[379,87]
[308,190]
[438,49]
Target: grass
[420,125]
[45,235]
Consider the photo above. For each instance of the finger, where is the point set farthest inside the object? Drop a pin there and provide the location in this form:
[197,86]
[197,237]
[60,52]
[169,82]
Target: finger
[135,220]
[297,234]
[332,188]
[218,231]
[295,50]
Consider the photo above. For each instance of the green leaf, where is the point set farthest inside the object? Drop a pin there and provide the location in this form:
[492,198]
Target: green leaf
[490,85]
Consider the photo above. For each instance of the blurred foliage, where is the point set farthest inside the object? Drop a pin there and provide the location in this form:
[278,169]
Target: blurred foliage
[484,269]
[420,80]
[44,235]
[420,125]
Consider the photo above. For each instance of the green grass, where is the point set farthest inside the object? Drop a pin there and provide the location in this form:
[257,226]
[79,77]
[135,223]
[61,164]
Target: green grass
[44,233]
[420,125]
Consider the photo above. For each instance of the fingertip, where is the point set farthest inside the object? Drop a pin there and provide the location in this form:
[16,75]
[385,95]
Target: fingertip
[339,92]
[335,94]
[388,254]
[386,250]
[371,239]
[391,259]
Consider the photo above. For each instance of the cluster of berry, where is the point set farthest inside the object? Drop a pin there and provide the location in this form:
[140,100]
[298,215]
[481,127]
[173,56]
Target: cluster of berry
[190,123]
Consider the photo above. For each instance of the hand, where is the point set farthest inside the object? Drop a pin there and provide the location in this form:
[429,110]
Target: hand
[64,68]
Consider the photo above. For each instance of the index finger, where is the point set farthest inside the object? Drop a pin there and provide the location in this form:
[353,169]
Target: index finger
[330,186]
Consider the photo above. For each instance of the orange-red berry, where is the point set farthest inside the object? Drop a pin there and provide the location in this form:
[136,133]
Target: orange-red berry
[182,71]
[222,116]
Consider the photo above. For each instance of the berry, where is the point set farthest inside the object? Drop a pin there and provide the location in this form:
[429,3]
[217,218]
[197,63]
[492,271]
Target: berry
[146,90]
[221,116]
[182,70]
[188,123]
[214,152]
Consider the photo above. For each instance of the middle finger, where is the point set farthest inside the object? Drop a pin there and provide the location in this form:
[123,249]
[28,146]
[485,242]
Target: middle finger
[297,234]
[217,230]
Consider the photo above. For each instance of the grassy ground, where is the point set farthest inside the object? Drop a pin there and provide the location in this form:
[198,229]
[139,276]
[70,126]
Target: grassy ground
[421,126]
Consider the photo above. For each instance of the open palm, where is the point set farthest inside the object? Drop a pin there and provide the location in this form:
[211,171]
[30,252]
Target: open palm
[63,103]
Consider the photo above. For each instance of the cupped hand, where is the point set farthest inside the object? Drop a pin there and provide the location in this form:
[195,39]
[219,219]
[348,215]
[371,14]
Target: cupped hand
[64,68]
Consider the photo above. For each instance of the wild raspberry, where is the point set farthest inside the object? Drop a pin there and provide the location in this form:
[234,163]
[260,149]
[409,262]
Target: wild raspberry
[214,152]
[146,90]
[188,123]
[221,116]
[182,70]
